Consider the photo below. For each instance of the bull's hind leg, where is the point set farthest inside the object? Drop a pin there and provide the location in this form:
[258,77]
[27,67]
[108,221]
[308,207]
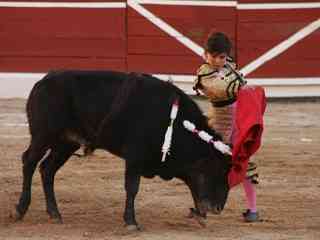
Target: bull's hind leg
[48,168]
[30,159]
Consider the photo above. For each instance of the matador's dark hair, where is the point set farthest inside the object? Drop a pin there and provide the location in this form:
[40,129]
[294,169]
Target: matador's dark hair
[218,42]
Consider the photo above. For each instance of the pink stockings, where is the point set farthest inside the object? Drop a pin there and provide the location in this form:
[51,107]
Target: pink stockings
[250,191]
[248,186]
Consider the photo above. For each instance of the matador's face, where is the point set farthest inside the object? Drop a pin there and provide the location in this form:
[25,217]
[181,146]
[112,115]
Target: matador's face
[216,60]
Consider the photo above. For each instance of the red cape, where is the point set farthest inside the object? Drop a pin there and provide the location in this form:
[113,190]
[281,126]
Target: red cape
[247,130]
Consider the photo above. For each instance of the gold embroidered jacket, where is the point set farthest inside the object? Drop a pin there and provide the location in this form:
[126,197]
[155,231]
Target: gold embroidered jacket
[221,86]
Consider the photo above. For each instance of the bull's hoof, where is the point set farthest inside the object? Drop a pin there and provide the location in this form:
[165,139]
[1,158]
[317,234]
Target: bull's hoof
[55,217]
[56,220]
[18,215]
[133,228]
[195,215]
[215,211]
[202,221]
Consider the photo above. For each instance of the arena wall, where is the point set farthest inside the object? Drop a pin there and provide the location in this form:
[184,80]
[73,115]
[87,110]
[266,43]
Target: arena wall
[276,42]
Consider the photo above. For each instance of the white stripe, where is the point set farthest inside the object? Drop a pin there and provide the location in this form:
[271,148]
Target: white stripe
[166,27]
[64,4]
[29,78]
[21,75]
[14,136]
[18,84]
[275,87]
[15,124]
[254,81]
[257,6]
[285,81]
[283,46]
[189,3]
[19,115]
[242,6]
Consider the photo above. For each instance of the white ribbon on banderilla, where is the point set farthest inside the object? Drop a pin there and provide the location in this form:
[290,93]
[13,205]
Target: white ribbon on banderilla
[219,145]
[167,139]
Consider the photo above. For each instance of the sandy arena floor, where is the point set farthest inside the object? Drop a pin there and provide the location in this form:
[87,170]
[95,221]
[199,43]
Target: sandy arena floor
[90,190]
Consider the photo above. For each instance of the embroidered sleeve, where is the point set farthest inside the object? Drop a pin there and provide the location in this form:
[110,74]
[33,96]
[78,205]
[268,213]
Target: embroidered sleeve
[219,86]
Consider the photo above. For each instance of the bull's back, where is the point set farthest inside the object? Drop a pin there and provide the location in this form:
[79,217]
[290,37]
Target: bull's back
[71,99]
[116,106]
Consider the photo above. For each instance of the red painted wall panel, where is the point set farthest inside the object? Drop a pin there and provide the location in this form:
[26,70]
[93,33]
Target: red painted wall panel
[157,46]
[301,60]
[147,39]
[153,50]
[95,35]
[162,64]
[196,22]
[258,31]
[139,26]
[44,64]
[39,39]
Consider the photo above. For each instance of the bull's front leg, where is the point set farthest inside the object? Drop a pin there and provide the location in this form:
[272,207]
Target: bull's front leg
[132,182]
[196,186]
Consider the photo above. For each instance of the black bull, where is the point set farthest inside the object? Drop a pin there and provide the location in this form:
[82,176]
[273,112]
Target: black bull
[126,114]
